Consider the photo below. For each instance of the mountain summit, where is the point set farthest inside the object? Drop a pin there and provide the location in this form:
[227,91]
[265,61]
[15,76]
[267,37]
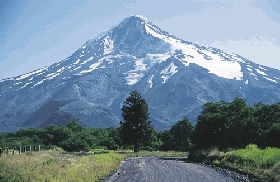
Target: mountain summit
[175,77]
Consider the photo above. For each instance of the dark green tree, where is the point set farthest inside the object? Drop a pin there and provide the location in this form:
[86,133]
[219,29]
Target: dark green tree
[225,125]
[240,130]
[74,126]
[136,128]
[210,128]
[266,116]
[273,136]
[181,134]
[166,139]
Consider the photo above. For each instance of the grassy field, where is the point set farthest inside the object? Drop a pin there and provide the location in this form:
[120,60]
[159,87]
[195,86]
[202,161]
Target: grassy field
[63,166]
[57,166]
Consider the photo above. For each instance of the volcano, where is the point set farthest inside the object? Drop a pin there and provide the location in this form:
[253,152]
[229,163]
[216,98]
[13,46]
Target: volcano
[174,76]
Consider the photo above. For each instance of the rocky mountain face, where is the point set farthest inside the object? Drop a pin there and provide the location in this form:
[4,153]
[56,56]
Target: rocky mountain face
[174,76]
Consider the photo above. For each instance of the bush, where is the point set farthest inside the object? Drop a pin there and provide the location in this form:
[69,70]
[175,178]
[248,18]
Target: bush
[75,144]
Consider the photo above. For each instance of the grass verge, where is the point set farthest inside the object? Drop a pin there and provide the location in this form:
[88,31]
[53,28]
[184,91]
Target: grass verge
[130,153]
[256,163]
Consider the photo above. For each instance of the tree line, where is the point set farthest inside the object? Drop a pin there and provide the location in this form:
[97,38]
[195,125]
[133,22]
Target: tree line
[236,124]
[74,137]
[221,124]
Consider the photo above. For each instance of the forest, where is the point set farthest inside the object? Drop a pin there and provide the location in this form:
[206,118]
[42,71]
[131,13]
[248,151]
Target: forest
[224,125]
[74,137]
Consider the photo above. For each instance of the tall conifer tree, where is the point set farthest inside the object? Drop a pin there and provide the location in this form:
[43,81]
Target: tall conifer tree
[136,128]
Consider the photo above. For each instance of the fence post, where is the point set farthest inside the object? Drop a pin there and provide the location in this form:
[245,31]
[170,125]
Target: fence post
[19,150]
[39,148]
[7,150]
[14,150]
[30,148]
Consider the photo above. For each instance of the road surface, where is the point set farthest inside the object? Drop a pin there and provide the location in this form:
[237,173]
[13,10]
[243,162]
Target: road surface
[152,169]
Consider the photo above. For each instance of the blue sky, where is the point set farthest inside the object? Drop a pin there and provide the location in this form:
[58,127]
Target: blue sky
[37,33]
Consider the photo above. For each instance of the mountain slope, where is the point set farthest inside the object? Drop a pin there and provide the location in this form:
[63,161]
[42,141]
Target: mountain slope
[175,77]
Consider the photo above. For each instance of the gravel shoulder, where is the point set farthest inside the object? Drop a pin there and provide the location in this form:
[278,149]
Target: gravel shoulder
[169,169]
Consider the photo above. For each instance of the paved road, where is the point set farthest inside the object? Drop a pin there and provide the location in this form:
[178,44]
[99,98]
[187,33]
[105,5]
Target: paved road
[151,169]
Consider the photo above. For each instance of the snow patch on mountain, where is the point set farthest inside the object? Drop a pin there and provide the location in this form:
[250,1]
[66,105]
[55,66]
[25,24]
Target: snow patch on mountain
[48,77]
[253,74]
[249,69]
[53,75]
[150,81]
[92,67]
[30,74]
[78,60]
[270,79]
[159,57]
[89,59]
[139,65]
[224,69]
[25,85]
[261,72]
[133,76]
[262,68]
[214,63]
[76,68]
[108,45]
[168,72]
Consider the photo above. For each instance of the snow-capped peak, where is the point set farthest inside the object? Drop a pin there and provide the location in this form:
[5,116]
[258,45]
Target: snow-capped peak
[190,53]
[134,54]
[141,17]
[138,39]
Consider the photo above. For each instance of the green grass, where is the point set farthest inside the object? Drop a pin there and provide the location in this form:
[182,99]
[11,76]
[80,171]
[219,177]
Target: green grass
[260,163]
[252,156]
[251,161]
